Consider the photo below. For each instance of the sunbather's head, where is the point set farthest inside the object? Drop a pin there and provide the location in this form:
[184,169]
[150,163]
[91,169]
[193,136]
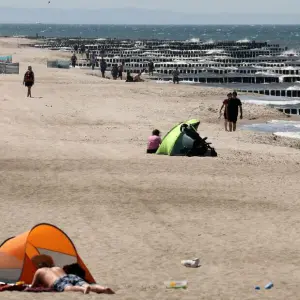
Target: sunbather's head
[74,269]
[43,261]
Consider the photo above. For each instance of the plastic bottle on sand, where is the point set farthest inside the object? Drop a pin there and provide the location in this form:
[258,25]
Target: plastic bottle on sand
[180,284]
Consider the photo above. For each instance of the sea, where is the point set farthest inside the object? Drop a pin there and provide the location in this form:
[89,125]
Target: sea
[284,35]
[287,35]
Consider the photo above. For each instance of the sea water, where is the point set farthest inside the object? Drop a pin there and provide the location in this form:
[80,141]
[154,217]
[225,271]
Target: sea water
[290,129]
[286,35]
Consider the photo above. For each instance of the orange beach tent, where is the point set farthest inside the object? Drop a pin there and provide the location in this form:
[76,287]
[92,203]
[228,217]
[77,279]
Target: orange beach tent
[16,253]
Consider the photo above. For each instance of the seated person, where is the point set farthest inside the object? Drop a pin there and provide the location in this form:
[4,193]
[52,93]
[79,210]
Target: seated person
[154,141]
[191,132]
[50,276]
[129,77]
[137,78]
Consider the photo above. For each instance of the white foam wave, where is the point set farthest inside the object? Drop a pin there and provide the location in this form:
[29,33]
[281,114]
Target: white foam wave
[243,41]
[193,40]
[290,52]
[266,102]
[211,41]
[293,88]
[292,135]
[164,81]
[283,122]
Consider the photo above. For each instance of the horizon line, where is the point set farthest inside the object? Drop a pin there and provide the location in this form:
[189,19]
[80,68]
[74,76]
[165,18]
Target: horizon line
[140,24]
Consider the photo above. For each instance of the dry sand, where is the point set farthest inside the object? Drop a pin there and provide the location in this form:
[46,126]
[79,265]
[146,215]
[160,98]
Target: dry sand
[75,156]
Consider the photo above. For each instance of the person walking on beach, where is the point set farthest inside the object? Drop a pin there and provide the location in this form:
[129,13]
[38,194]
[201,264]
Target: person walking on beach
[151,67]
[103,66]
[224,106]
[176,76]
[114,72]
[73,60]
[93,60]
[28,80]
[121,70]
[233,110]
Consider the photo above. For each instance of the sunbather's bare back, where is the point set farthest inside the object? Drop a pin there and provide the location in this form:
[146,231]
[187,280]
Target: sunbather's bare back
[47,276]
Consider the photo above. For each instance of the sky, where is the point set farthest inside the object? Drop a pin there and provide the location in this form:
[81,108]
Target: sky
[185,6]
[150,11]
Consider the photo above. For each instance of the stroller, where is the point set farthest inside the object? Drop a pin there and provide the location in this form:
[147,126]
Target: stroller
[199,147]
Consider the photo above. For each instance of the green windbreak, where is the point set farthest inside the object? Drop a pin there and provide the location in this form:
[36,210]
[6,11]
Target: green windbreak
[170,139]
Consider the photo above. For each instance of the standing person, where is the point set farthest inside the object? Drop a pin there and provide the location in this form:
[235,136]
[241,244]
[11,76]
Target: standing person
[224,106]
[151,67]
[87,53]
[176,76]
[114,72]
[154,142]
[233,110]
[103,66]
[93,60]
[121,70]
[29,80]
[73,60]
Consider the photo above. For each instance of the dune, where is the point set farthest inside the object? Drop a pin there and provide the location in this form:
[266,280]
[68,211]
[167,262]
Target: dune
[74,156]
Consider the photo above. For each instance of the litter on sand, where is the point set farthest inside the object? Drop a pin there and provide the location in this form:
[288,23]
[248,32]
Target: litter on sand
[180,284]
[269,285]
[191,263]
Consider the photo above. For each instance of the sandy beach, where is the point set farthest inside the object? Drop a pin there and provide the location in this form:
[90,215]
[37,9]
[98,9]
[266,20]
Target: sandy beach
[74,156]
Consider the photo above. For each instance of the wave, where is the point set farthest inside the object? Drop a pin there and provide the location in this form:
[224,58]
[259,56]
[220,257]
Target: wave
[194,40]
[270,102]
[243,41]
[284,128]
[291,135]
[210,41]
[283,122]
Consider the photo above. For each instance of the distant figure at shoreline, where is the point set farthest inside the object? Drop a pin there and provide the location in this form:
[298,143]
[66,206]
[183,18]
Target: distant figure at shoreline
[154,142]
[151,67]
[137,77]
[103,66]
[29,80]
[233,110]
[121,70]
[73,60]
[93,60]
[114,72]
[176,76]
[129,77]
[224,106]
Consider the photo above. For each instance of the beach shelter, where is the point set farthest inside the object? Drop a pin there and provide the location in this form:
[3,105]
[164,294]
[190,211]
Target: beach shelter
[175,141]
[16,253]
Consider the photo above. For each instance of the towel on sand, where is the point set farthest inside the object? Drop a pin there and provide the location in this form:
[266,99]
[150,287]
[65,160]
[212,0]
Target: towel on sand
[24,288]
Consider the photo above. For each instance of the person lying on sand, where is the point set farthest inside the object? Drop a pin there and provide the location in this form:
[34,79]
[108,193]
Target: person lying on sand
[50,276]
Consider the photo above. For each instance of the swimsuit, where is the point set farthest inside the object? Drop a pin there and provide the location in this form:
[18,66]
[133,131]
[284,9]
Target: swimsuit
[67,280]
